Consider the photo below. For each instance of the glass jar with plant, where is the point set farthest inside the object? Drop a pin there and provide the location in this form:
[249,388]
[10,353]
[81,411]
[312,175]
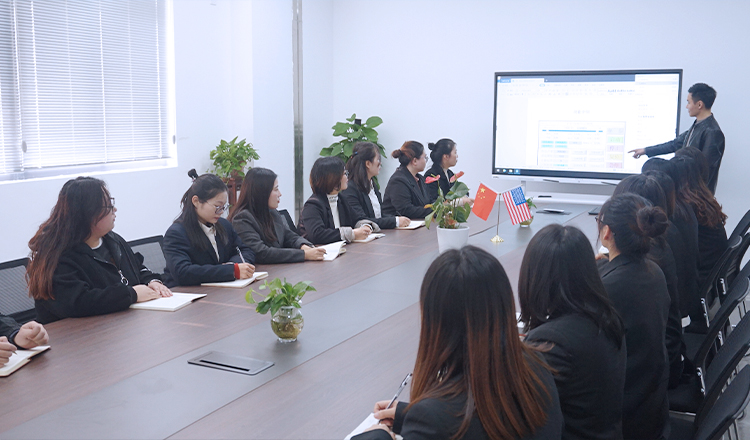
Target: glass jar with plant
[283,301]
[532,208]
[450,211]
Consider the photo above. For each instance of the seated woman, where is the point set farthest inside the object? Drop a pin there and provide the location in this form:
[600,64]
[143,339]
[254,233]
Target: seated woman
[78,266]
[13,336]
[406,194]
[473,378]
[201,246]
[637,288]
[361,195]
[565,308]
[326,217]
[444,155]
[262,228]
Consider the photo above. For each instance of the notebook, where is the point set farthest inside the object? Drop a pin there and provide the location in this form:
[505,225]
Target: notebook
[238,283]
[370,238]
[333,250]
[413,225]
[170,303]
[19,359]
[369,421]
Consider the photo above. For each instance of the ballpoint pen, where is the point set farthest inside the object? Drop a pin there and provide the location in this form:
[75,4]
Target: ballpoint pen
[401,388]
[239,252]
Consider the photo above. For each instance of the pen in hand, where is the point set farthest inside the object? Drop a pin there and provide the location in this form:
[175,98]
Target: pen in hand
[239,252]
[398,392]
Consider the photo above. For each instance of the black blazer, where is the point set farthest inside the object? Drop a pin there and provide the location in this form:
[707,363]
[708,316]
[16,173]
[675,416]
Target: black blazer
[589,373]
[286,247]
[188,266]
[685,249]
[638,290]
[437,419]
[712,242]
[85,285]
[405,195]
[361,206]
[9,328]
[442,183]
[316,220]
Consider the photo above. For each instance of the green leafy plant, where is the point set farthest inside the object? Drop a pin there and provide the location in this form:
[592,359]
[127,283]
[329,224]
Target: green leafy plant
[231,158]
[530,202]
[352,132]
[447,210]
[281,294]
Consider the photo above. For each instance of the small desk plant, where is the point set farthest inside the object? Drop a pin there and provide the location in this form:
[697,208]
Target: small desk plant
[450,213]
[530,204]
[283,301]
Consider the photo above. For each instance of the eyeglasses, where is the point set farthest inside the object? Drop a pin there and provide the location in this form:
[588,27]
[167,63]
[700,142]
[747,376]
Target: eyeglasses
[222,208]
[108,208]
[346,173]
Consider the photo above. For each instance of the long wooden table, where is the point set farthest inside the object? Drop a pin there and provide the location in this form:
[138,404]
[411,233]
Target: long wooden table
[125,375]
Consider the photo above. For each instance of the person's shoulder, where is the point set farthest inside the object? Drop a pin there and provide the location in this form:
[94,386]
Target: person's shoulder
[435,170]
[114,236]
[243,214]
[176,229]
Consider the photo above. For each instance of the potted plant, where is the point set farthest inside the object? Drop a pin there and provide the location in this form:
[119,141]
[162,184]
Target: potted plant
[530,204]
[450,213]
[353,131]
[230,160]
[283,301]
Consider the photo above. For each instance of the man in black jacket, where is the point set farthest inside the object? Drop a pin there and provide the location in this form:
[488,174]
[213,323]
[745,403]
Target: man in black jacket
[705,133]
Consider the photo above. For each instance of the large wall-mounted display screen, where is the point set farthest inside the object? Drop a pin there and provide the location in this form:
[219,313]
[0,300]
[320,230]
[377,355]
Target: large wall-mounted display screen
[582,124]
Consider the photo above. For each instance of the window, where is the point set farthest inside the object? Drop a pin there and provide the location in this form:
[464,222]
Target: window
[83,82]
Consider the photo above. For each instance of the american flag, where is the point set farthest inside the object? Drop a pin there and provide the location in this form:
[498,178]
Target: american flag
[515,201]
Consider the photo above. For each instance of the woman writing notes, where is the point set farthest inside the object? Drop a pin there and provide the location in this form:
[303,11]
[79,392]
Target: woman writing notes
[406,194]
[473,378]
[262,228]
[201,246]
[444,155]
[78,266]
[326,217]
[361,194]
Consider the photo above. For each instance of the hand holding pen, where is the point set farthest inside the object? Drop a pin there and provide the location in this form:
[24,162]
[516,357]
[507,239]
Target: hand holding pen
[385,411]
[246,269]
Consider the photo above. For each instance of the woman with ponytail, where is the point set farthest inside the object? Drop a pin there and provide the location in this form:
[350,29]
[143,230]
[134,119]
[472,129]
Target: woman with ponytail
[444,155]
[473,378]
[637,288]
[406,193]
[201,246]
[78,266]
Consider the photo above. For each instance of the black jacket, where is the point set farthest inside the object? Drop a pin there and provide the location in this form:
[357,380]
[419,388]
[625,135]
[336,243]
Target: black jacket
[436,419]
[8,328]
[712,242]
[406,196]
[284,249]
[316,220]
[685,249]
[638,290]
[706,136]
[188,266]
[589,373]
[442,183]
[361,206]
[84,285]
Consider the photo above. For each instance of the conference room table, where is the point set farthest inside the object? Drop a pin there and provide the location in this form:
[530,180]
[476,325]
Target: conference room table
[126,375]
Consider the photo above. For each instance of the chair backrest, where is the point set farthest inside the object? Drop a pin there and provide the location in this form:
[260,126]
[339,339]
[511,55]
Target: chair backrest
[14,291]
[151,250]
[288,218]
[739,292]
[742,227]
[729,407]
[710,288]
[736,261]
[726,360]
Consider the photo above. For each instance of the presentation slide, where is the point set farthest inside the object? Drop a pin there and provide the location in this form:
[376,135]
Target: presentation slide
[568,124]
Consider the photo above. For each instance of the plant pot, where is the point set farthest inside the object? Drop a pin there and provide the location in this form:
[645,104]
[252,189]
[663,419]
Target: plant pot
[287,323]
[452,238]
[528,222]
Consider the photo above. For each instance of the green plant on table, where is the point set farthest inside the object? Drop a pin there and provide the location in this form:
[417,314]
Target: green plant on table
[448,210]
[231,158]
[353,131]
[281,294]
[530,202]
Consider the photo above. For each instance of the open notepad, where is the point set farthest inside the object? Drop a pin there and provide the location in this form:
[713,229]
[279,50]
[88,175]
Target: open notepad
[333,250]
[369,421]
[370,238]
[19,359]
[238,283]
[170,303]
[413,225]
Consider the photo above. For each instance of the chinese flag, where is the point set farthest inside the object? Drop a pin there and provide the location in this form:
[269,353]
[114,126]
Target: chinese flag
[483,202]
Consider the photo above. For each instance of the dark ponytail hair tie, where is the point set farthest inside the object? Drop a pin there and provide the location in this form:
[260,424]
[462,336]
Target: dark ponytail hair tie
[193,174]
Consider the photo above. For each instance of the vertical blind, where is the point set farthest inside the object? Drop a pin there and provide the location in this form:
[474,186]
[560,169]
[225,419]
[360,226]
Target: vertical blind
[82,82]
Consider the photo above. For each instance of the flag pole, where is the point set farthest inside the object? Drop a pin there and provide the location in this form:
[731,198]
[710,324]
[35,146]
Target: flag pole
[496,239]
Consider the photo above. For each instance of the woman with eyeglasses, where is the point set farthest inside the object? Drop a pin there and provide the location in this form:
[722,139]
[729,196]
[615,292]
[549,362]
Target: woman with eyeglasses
[361,193]
[201,246]
[326,217]
[78,266]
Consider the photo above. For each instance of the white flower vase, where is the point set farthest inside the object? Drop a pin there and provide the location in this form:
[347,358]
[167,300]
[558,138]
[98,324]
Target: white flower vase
[452,238]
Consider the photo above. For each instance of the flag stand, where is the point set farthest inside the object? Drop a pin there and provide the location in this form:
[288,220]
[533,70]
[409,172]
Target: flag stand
[496,239]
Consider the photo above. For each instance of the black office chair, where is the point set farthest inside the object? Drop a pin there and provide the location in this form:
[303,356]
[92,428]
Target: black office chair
[736,261]
[288,218]
[742,227]
[715,284]
[14,291]
[150,249]
[718,418]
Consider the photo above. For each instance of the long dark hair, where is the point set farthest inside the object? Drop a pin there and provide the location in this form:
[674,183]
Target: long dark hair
[206,187]
[634,222]
[559,277]
[699,158]
[357,164]
[254,195]
[439,149]
[667,186]
[82,202]
[646,187]
[409,151]
[681,211]
[469,345]
[692,191]
[326,174]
